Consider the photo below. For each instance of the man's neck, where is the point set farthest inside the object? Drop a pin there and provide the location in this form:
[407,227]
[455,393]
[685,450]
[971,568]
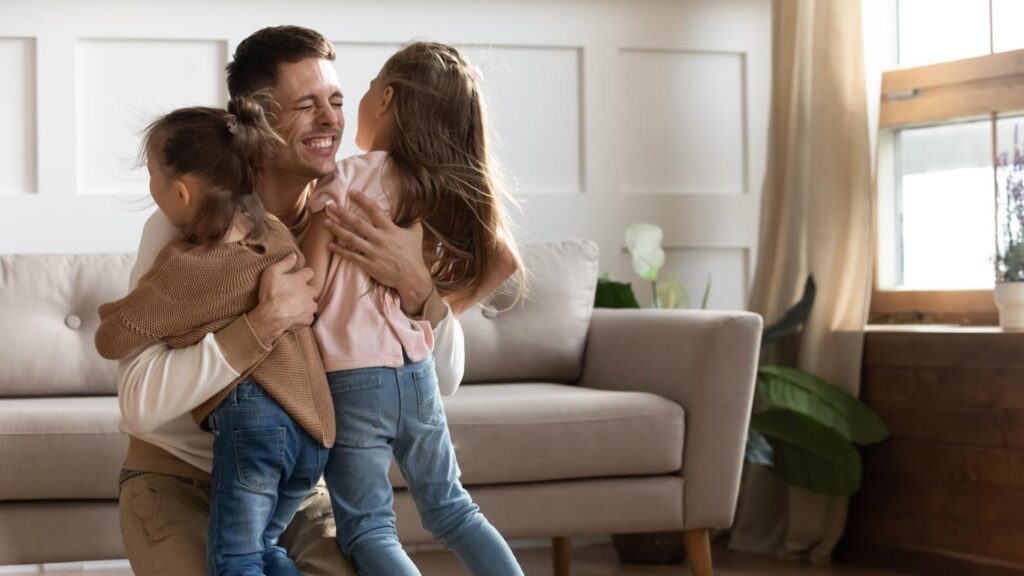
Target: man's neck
[284,195]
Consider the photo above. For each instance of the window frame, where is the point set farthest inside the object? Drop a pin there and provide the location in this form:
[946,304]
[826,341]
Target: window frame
[957,90]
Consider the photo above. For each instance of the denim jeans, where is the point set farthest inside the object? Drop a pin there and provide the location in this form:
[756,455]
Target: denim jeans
[264,465]
[397,411]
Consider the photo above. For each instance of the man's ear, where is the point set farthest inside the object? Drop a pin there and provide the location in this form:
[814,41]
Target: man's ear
[386,102]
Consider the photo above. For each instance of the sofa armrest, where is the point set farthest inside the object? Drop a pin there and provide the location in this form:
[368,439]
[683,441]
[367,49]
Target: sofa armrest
[705,361]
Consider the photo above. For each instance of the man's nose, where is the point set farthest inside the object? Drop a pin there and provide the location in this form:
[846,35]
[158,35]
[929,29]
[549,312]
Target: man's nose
[329,116]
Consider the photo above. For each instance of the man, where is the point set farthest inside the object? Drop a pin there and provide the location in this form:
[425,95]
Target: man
[164,496]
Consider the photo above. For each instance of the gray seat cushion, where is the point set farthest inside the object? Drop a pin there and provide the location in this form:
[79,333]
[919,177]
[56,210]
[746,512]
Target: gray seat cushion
[60,448]
[71,448]
[506,433]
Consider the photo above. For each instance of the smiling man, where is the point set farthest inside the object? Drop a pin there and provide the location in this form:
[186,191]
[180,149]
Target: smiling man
[165,491]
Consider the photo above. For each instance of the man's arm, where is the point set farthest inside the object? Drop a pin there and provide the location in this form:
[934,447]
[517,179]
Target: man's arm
[449,353]
[158,384]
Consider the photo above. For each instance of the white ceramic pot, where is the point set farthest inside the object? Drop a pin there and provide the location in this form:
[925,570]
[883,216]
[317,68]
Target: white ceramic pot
[1010,301]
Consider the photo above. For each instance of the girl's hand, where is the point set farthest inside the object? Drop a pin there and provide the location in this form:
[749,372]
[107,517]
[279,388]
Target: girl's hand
[388,253]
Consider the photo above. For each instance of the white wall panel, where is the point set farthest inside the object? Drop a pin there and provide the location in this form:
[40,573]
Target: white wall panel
[534,108]
[17,116]
[605,112]
[122,86]
[684,122]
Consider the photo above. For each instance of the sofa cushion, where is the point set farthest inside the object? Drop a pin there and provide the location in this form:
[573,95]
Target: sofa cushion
[60,448]
[505,433]
[48,306]
[542,337]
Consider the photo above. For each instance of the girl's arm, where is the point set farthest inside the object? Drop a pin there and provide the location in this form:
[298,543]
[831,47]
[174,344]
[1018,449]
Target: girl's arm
[314,248]
[506,266]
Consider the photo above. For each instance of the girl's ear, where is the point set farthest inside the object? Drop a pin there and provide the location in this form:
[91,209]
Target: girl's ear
[182,191]
[386,102]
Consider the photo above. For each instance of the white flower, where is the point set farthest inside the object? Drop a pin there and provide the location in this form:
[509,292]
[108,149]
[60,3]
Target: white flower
[644,243]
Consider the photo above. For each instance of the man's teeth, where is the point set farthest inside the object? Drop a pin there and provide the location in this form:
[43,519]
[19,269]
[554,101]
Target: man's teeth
[321,142]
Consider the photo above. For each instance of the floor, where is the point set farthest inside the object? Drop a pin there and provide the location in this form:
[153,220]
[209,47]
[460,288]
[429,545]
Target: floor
[600,560]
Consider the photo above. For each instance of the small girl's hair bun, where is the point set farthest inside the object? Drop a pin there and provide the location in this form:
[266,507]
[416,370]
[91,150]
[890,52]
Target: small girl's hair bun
[250,109]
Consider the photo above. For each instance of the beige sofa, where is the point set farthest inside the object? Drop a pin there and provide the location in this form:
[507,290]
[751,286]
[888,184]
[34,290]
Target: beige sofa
[572,421]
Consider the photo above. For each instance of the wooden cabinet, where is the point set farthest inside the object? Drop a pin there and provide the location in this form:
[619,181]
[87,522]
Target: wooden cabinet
[945,494]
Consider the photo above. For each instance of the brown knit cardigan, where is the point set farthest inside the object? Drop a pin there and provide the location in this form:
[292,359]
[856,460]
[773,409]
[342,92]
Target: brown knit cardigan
[193,290]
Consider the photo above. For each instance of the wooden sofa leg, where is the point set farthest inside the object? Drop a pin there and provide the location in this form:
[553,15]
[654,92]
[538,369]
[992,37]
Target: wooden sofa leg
[698,550]
[562,554]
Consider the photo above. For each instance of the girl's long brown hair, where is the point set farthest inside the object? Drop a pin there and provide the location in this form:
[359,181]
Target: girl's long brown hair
[226,149]
[441,153]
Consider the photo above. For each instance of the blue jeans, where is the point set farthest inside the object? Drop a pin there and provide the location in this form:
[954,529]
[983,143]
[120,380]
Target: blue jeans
[264,465]
[397,411]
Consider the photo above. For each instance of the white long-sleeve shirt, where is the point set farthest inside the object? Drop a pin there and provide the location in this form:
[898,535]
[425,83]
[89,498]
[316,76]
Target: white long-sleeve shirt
[159,386]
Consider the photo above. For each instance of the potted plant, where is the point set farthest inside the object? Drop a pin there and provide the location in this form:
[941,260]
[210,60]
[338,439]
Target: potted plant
[1009,290]
[643,240]
[805,428]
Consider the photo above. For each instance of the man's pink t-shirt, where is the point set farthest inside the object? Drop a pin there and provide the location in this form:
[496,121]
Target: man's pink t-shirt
[354,327]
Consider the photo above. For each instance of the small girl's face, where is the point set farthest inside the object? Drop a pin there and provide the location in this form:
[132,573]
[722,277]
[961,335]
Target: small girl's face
[170,193]
[374,128]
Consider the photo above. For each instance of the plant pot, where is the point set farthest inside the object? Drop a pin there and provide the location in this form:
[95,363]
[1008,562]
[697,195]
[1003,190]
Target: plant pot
[650,548]
[1010,301]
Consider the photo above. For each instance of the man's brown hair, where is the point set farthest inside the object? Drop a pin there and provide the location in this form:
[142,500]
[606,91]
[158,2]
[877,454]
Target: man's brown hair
[256,60]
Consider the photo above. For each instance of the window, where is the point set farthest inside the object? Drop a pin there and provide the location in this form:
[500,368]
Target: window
[951,104]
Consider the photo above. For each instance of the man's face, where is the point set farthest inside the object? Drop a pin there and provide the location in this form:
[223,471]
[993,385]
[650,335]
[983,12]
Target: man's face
[309,119]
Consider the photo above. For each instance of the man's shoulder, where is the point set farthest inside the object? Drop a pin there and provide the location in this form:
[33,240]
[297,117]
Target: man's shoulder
[160,229]
[157,233]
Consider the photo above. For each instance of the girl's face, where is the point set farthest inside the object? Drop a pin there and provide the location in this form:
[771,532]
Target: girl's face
[169,193]
[375,114]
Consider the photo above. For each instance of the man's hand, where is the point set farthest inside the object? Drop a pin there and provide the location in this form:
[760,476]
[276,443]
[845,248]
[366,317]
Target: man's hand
[388,253]
[287,301]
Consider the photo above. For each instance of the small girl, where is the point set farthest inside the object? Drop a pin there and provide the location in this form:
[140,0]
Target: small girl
[273,426]
[423,128]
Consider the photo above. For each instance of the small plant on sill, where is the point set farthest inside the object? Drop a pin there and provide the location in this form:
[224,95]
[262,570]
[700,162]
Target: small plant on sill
[1010,213]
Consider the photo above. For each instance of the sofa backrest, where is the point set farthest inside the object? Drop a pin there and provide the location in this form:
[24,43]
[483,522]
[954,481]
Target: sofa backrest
[48,320]
[542,338]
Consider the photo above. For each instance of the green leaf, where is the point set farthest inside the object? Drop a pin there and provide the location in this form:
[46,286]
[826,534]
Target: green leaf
[809,455]
[758,450]
[794,317]
[830,406]
[672,294]
[644,243]
[707,294]
[612,294]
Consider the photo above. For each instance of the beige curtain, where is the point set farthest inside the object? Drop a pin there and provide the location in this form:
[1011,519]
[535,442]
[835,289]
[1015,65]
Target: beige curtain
[815,219]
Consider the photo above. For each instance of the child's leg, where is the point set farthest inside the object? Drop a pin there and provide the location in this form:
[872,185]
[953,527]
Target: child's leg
[427,460]
[366,406]
[309,458]
[250,457]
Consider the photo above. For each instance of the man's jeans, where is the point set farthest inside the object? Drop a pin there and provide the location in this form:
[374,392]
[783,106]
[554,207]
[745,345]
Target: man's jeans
[264,465]
[385,411]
